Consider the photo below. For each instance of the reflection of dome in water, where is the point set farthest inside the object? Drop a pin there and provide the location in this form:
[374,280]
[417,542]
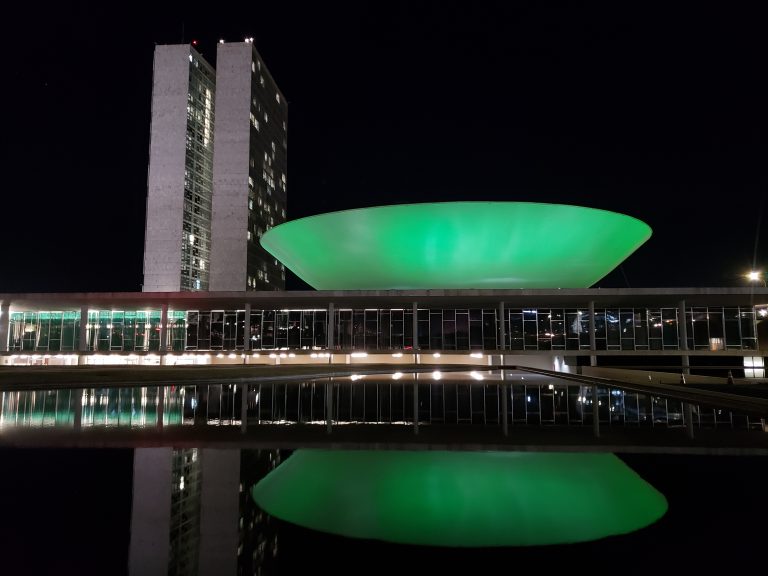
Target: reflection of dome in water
[456,245]
[460,498]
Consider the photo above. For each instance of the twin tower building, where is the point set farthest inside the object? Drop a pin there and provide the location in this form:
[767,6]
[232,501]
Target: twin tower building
[217,171]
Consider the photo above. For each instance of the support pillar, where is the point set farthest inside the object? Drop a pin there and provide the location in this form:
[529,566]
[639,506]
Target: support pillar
[502,329]
[247,329]
[329,406]
[416,403]
[688,409]
[5,324]
[243,408]
[82,343]
[160,406]
[163,330]
[331,325]
[77,408]
[682,330]
[504,409]
[595,412]
[415,326]
[592,338]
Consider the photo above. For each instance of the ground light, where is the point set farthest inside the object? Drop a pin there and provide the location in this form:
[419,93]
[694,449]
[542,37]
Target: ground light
[460,499]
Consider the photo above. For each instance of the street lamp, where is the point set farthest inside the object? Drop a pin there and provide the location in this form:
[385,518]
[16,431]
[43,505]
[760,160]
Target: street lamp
[755,276]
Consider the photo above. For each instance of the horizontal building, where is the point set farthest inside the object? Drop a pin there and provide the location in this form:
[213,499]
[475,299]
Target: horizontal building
[555,326]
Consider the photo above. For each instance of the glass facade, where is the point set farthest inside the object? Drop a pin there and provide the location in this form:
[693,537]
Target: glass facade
[526,329]
[267,176]
[198,176]
[373,400]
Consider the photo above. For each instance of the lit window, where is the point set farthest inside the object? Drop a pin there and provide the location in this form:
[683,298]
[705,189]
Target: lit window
[253,67]
[261,79]
[249,234]
[277,97]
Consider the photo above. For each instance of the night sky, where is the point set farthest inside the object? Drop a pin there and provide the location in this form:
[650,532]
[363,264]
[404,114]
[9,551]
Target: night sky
[657,112]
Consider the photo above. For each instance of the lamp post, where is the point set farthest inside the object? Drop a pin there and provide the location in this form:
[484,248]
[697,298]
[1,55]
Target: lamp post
[755,276]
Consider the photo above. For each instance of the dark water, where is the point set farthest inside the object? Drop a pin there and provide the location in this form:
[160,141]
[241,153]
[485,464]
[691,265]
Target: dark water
[69,511]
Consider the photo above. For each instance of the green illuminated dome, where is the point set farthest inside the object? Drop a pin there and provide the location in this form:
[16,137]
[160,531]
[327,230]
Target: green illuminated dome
[469,499]
[456,245]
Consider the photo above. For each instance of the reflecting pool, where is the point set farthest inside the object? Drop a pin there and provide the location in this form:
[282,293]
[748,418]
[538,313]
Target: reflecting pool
[437,498]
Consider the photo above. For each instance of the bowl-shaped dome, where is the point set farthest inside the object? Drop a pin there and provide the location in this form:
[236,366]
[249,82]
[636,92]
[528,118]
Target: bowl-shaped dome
[435,498]
[456,245]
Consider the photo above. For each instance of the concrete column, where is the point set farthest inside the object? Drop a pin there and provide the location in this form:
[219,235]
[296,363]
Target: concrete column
[160,405]
[329,405]
[682,330]
[163,328]
[688,419]
[592,338]
[415,326]
[219,511]
[416,403]
[5,324]
[82,345]
[149,551]
[77,408]
[502,328]
[595,412]
[243,408]
[247,329]
[331,325]
[504,408]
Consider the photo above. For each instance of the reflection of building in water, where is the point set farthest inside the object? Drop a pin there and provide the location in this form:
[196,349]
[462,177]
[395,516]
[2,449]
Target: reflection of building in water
[257,552]
[185,511]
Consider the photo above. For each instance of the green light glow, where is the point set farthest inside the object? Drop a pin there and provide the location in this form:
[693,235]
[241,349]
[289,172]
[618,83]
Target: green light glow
[465,499]
[456,245]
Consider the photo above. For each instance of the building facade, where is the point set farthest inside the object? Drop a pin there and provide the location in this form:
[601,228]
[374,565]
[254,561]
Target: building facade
[642,323]
[208,203]
[177,248]
[250,171]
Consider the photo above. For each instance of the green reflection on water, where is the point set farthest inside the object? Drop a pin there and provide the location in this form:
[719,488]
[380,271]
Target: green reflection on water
[466,499]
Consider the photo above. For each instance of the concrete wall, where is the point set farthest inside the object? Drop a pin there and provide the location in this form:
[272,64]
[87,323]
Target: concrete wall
[165,183]
[231,157]
[5,318]
[646,376]
[149,550]
[219,511]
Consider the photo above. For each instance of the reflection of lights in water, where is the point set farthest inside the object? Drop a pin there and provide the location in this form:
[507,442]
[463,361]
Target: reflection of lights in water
[462,499]
[397,375]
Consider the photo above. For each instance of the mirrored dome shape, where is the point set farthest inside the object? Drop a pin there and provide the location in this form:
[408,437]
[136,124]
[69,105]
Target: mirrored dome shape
[460,499]
[456,245]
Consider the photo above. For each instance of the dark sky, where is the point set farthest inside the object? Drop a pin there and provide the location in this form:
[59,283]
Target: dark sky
[654,111]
